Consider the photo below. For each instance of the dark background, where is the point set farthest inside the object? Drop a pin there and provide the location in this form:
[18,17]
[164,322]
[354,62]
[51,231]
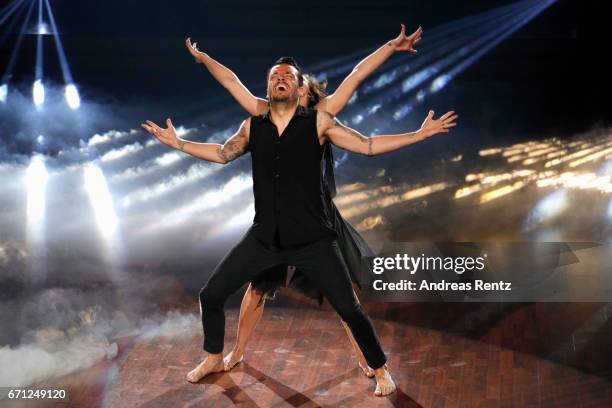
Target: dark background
[549,76]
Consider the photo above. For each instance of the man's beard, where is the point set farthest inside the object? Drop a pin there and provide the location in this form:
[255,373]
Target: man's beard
[284,100]
[280,99]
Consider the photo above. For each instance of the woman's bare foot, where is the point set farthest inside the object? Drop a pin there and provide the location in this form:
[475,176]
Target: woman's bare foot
[213,363]
[384,382]
[367,370]
[232,359]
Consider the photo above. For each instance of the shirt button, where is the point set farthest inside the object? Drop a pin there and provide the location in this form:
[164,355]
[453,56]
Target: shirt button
[277,175]
[276,157]
[278,142]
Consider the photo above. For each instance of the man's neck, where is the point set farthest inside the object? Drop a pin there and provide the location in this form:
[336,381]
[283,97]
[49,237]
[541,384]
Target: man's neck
[283,110]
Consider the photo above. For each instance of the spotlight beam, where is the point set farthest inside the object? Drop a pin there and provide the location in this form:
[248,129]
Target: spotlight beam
[71,92]
[36,177]
[436,55]
[415,80]
[11,64]
[9,28]
[481,23]
[440,35]
[58,44]
[479,47]
[435,33]
[101,201]
[480,52]
[38,89]
[9,10]
[39,45]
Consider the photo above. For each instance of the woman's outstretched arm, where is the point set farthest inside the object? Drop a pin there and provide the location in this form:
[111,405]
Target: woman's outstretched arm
[229,80]
[335,102]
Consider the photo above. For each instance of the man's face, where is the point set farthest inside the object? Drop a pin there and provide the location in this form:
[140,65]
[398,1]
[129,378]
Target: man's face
[283,83]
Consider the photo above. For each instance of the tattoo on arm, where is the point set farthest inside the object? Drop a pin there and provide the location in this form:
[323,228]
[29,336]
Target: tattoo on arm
[181,144]
[222,155]
[334,122]
[235,146]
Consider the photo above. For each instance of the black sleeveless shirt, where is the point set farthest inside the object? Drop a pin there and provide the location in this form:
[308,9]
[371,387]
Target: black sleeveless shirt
[291,204]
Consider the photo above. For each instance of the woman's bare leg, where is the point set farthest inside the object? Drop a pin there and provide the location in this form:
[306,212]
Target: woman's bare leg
[363,364]
[250,313]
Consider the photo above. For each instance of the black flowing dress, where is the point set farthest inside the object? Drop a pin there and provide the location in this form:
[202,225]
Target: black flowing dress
[357,254]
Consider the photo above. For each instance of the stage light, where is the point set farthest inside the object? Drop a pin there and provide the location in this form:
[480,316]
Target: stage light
[3,92]
[196,172]
[397,197]
[11,64]
[101,201]
[39,89]
[168,158]
[72,96]
[549,207]
[439,83]
[502,191]
[38,92]
[418,77]
[71,93]
[43,29]
[209,200]
[240,220]
[402,112]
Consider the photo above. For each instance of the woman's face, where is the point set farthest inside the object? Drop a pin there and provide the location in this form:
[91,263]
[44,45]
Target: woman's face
[304,100]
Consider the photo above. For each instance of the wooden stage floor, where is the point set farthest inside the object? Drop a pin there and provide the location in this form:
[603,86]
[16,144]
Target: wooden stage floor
[441,355]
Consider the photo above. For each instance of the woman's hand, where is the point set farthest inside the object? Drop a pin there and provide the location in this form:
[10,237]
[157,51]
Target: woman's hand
[193,50]
[443,124]
[406,43]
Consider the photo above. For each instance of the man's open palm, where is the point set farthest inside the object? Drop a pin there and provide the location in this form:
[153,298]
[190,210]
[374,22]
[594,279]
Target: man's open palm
[167,136]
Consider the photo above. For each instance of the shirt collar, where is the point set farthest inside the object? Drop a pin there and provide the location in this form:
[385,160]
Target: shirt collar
[300,111]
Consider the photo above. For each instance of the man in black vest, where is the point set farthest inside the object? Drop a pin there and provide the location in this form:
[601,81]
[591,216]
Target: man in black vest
[292,224]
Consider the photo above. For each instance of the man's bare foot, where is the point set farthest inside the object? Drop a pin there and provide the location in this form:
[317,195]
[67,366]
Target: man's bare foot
[213,363]
[384,382]
[367,370]
[232,359]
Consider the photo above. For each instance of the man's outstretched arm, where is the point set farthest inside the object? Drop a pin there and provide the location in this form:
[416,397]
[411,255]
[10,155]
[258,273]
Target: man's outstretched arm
[235,146]
[349,139]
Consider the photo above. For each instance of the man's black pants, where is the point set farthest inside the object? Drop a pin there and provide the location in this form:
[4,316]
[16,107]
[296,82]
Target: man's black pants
[321,261]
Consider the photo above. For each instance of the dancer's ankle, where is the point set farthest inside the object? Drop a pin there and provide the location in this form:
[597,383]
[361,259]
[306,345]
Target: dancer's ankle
[381,370]
[215,356]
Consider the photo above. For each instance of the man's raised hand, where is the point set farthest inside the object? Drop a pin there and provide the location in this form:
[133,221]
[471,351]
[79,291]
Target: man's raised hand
[406,43]
[443,124]
[166,136]
[193,50]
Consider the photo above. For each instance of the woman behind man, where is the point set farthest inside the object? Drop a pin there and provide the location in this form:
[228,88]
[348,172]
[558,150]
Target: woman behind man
[354,248]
